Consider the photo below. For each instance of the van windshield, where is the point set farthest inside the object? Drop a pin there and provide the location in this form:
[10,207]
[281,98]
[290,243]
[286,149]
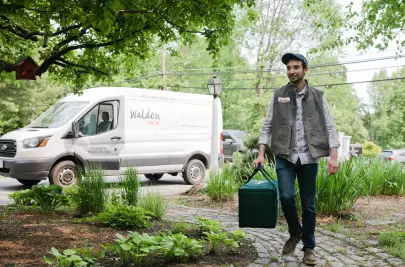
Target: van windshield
[58,115]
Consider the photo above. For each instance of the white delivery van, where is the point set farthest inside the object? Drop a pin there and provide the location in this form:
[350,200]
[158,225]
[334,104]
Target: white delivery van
[116,128]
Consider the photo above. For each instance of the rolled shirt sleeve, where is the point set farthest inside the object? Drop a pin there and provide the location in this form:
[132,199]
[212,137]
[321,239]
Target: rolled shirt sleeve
[265,132]
[330,125]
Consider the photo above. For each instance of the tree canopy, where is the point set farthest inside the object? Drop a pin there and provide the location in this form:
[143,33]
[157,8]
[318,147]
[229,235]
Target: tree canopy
[73,39]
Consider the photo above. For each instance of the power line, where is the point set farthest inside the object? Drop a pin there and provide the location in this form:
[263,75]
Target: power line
[309,75]
[269,70]
[318,85]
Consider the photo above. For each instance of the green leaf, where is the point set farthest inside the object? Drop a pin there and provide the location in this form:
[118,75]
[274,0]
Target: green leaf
[126,247]
[48,261]
[55,252]
[69,252]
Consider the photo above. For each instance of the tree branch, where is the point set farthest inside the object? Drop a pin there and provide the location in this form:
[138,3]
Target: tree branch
[17,30]
[70,64]
[6,66]
[70,39]
[65,30]
[47,63]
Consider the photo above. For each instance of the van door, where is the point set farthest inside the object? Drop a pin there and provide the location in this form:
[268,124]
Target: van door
[102,136]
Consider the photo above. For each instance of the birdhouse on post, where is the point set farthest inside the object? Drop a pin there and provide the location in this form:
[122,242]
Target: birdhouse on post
[26,69]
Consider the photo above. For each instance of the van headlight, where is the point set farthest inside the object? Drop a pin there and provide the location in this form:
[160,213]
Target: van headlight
[35,142]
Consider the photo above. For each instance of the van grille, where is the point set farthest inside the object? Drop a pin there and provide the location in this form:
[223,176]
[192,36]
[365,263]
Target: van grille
[8,148]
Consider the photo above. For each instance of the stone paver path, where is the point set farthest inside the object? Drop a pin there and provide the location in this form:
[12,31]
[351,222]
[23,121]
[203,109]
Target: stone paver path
[332,249]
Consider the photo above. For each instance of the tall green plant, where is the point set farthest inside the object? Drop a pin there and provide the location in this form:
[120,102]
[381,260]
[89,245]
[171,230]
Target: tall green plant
[131,185]
[222,186]
[154,203]
[339,192]
[89,195]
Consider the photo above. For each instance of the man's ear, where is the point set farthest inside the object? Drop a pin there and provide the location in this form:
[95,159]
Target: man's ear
[306,70]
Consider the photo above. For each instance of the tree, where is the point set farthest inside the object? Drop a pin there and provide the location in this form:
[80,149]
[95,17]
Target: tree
[74,39]
[379,23]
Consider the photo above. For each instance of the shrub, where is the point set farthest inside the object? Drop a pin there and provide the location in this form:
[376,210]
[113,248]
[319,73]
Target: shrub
[122,216]
[130,184]
[154,203]
[370,149]
[208,225]
[222,186]
[89,195]
[48,198]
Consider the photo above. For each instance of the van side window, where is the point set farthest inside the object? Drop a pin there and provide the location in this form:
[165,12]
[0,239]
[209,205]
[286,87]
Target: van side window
[98,120]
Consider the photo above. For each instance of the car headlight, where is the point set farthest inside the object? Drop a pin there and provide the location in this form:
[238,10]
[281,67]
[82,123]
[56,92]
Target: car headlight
[35,142]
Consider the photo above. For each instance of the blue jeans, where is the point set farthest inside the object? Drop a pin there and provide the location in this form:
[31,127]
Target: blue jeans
[306,174]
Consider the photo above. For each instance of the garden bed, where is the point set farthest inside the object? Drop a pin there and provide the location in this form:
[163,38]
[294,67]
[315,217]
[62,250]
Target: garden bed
[25,237]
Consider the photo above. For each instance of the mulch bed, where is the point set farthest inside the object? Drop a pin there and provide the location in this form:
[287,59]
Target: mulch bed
[25,237]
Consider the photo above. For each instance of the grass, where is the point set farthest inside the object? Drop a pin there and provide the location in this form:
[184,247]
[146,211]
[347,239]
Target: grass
[89,195]
[335,227]
[130,184]
[222,186]
[153,202]
[394,242]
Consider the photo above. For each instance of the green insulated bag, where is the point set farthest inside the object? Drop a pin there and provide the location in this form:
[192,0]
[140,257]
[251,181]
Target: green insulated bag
[259,202]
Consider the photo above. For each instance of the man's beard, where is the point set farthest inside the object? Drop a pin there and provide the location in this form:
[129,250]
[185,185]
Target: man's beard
[297,80]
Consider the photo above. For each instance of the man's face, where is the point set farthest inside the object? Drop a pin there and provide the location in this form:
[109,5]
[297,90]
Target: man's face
[295,72]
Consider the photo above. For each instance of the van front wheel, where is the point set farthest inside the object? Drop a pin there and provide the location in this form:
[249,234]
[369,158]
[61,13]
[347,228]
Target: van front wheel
[194,172]
[63,174]
[153,176]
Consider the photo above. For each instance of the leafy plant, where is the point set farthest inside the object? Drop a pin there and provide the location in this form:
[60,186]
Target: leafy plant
[68,258]
[47,197]
[154,203]
[238,235]
[218,240]
[179,247]
[208,225]
[22,197]
[89,195]
[135,248]
[122,216]
[130,184]
[184,228]
[222,186]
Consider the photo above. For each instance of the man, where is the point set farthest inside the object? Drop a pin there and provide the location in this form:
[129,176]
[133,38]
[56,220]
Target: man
[302,131]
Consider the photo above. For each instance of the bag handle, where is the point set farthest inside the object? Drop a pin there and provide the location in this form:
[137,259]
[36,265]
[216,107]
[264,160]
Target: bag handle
[265,174]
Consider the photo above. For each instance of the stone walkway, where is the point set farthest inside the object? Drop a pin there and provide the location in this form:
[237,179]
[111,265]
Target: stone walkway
[332,249]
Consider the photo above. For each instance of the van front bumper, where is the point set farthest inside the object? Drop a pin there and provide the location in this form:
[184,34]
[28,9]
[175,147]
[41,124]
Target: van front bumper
[26,169]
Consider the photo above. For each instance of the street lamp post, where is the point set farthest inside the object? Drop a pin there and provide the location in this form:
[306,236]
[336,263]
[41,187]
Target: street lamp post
[214,87]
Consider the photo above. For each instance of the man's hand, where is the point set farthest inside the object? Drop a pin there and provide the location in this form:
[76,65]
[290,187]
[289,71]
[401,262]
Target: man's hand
[260,157]
[259,160]
[333,166]
[333,163]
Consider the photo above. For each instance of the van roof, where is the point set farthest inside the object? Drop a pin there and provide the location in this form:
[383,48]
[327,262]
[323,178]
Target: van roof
[92,94]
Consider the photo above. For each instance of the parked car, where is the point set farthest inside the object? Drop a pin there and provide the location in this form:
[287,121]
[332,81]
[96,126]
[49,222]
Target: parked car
[233,142]
[393,155]
[387,155]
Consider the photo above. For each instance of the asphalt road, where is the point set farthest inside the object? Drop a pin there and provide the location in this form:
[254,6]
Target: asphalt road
[167,185]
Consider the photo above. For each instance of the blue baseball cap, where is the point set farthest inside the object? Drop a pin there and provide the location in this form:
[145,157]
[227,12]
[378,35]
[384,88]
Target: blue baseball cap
[287,57]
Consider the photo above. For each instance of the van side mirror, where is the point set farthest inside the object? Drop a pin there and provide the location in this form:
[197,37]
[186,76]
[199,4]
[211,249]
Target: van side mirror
[76,131]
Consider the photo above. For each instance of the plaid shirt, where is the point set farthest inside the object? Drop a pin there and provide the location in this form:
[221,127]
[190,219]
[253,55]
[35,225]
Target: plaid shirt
[299,148]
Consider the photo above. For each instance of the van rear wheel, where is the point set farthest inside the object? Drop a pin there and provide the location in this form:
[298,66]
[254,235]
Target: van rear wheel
[28,182]
[63,174]
[153,176]
[194,172]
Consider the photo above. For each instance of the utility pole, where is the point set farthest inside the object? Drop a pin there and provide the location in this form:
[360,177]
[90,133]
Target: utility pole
[163,67]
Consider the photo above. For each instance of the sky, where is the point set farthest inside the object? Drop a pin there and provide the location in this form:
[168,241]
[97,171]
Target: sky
[354,54]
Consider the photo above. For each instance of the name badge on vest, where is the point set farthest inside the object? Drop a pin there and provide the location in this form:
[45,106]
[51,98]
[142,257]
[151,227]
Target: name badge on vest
[283,99]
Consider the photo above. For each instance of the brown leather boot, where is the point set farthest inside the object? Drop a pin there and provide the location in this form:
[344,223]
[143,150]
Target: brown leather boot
[309,257]
[289,246]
